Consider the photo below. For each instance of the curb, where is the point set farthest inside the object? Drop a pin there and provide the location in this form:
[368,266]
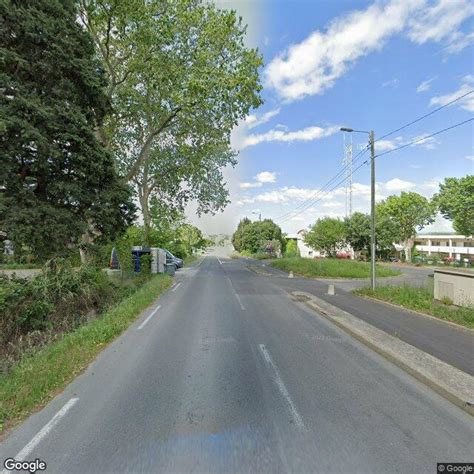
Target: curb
[418,313]
[449,382]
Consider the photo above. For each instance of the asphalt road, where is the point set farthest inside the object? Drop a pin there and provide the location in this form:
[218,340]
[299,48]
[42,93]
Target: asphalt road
[230,375]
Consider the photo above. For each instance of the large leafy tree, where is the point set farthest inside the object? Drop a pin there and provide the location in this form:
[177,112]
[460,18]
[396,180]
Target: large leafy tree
[405,214]
[59,182]
[327,234]
[255,236]
[180,79]
[455,200]
[237,235]
[358,231]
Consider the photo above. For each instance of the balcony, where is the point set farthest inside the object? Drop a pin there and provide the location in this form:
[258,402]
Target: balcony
[445,249]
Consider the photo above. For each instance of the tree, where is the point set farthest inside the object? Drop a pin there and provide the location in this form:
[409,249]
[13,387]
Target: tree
[358,231]
[180,79]
[406,214]
[255,237]
[327,234]
[59,181]
[455,201]
[237,236]
[191,237]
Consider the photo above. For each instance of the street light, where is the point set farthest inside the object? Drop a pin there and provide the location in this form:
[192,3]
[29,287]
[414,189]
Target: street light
[259,215]
[372,199]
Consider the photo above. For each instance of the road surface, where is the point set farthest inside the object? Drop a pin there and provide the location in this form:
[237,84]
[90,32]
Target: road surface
[226,374]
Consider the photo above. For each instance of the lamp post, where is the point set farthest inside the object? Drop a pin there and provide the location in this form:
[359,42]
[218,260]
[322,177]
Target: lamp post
[259,215]
[372,199]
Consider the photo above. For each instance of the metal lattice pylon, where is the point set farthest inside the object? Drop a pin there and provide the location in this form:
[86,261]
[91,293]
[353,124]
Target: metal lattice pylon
[347,162]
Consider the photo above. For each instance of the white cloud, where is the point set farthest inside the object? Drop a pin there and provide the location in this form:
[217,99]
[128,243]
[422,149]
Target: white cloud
[466,103]
[306,134]
[391,83]
[440,21]
[397,185]
[253,120]
[313,65]
[429,142]
[425,85]
[266,177]
[470,157]
[249,185]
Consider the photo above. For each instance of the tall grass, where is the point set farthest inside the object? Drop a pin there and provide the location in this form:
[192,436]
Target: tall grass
[330,268]
[420,299]
[37,377]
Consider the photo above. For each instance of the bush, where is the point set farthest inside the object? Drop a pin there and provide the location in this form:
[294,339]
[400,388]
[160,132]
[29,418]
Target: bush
[35,311]
[292,249]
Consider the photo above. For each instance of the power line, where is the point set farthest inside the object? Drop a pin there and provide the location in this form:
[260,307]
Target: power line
[366,161]
[344,169]
[426,115]
[424,138]
[324,194]
[315,193]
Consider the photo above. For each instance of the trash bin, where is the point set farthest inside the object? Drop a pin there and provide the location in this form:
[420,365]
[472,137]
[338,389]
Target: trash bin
[170,268]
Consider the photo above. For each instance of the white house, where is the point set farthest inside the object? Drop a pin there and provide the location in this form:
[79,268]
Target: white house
[305,251]
[444,245]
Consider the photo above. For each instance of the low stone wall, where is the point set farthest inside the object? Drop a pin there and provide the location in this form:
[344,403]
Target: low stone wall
[456,285]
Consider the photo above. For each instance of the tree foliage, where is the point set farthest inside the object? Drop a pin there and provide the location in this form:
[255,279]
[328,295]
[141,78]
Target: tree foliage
[59,181]
[405,214]
[256,236]
[455,201]
[358,231]
[180,79]
[327,234]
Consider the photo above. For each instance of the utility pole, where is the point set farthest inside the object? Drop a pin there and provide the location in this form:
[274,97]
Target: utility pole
[372,208]
[372,200]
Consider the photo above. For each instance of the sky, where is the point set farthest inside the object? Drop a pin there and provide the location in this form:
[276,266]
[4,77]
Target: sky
[360,64]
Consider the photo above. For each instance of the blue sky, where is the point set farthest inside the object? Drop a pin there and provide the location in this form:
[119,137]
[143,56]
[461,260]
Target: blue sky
[363,64]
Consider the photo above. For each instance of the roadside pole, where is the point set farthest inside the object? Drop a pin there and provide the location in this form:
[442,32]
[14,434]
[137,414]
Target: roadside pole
[372,208]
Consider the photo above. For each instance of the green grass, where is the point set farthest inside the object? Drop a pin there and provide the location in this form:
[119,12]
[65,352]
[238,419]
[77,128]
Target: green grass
[19,266]
[190,259]
[420,299]
[330,268]
[36,379]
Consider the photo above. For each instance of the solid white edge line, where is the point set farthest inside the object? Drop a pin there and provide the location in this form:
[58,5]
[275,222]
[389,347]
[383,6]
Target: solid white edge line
[176,286]
[149,317]
[44,431]
[281,386]
[219,260]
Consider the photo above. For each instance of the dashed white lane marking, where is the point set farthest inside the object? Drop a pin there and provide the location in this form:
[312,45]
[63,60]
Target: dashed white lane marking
[43,432]
[176,286]
[149,317]
[281,386]
[218,259]
[242,307]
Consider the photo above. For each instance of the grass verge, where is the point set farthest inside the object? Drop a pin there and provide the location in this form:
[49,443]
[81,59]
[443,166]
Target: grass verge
[420,299]
[330,268]
[36,379]
[190,259]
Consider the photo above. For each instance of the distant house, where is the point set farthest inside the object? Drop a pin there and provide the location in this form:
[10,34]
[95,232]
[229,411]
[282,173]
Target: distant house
[305,251]
[458,247]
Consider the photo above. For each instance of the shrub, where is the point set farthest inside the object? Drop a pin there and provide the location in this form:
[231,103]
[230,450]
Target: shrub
[32,312]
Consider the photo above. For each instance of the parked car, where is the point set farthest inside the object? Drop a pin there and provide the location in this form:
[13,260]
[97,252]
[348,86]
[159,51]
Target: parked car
[178,262]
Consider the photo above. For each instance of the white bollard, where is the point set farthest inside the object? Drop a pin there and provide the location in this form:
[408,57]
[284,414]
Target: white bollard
[290,275]
[331,290]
